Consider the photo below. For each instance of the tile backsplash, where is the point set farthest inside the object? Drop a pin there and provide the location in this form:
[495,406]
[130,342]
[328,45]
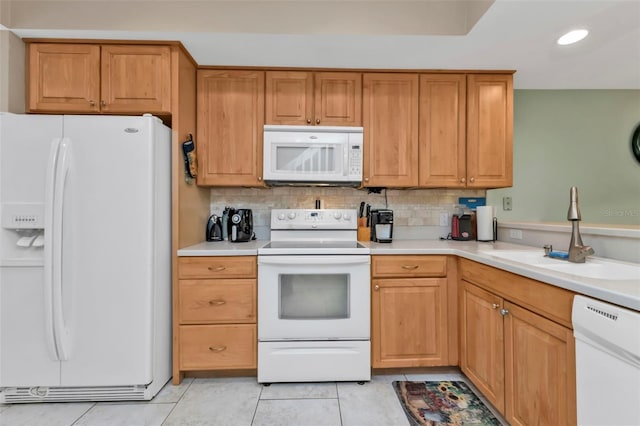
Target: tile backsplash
[416,211]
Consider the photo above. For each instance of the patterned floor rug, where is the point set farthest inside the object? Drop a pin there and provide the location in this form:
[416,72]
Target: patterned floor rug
[442,403]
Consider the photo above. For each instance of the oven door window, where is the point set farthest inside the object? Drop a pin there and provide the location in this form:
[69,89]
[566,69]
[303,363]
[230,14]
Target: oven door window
[307,159]
[313,296]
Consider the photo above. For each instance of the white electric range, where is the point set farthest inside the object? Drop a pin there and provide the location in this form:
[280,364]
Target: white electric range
[313,299]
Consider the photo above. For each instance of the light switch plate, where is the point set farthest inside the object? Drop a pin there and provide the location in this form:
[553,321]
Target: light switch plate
[444,219]
[506,203]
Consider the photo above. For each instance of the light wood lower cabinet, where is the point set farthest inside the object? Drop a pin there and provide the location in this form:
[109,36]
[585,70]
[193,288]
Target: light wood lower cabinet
[216,314]
[521,359]
[410,311]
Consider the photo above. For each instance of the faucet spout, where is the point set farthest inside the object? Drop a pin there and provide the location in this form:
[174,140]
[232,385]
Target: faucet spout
[578,252]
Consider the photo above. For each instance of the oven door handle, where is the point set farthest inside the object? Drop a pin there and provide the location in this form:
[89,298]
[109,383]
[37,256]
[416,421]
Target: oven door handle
[313,260]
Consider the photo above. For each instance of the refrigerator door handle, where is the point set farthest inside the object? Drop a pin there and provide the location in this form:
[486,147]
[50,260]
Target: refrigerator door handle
[59,161]
[60,331]
[48,245]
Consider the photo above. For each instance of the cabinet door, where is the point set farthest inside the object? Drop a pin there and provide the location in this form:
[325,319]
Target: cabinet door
[136,79]
[442,130]
[289,97]
[540,370]
[230,127]
[409,322]
[338,99]
[482,342]
[390,120]
[489,130]
[63,78]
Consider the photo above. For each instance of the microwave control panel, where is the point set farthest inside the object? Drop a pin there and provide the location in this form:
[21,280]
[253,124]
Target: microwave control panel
[355,160]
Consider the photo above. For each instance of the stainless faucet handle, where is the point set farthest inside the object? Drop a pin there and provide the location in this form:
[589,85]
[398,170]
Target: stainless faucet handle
[548,248]
[586,251]
[574,210]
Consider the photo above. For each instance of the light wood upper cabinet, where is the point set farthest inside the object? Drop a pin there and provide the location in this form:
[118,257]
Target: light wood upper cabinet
[63,77]
[136,78]
[230,127]
[489,130]
[390,121]
[93,78]
[313,98]
[442,147]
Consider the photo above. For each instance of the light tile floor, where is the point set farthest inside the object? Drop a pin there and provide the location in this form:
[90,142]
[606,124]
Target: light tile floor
[238,402]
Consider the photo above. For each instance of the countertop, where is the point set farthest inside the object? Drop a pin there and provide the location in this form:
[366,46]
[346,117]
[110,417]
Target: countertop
[621,292]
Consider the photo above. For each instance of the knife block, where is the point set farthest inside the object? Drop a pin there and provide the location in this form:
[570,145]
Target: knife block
[364,232]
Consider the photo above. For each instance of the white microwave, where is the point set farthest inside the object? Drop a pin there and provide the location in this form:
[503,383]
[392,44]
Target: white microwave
[318,155]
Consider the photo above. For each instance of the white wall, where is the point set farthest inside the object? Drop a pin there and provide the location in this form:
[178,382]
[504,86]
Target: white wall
[573,137]
[12,72]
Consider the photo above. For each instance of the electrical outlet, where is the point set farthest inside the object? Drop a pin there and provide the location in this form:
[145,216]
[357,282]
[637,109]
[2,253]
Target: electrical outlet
[444,219]
[516,234]
[506,203]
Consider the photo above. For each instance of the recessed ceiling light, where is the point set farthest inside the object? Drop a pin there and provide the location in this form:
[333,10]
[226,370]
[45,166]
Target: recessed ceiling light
[572,37]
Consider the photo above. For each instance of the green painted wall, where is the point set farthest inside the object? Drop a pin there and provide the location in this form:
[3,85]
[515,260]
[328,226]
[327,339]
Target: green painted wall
[573,137]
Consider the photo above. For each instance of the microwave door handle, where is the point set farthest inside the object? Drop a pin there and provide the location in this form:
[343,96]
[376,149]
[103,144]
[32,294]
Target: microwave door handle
[345,165]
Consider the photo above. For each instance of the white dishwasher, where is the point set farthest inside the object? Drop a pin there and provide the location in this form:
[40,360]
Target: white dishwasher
[607,363]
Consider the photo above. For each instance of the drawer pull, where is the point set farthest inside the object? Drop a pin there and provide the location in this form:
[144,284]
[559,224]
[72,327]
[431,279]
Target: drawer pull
[217,348]
[217,302]
[217,268]
[410,267]
[494,306]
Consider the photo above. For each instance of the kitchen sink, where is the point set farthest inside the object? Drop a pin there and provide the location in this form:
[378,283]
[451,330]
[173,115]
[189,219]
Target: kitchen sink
[596,268]
[592,268]
[530,257]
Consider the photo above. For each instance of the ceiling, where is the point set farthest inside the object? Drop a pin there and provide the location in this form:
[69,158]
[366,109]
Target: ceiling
[451,34]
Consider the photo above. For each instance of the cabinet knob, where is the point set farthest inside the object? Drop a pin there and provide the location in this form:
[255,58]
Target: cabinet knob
[317,121]
[472,179]
[216,269]
[308,121]
[494,306]
[92,103]
[103,103]
[259,178]
[366,179]
[463,180]
[217,348]
[376,287]
[217,302]
[504,312]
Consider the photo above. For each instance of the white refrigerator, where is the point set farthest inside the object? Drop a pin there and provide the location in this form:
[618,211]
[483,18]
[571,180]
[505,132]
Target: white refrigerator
[85,258]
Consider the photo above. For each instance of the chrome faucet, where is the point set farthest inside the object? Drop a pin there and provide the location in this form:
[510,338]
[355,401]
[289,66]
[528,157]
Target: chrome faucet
[578,252]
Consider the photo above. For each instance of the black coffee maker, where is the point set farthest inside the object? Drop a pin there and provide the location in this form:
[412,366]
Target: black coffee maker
[240,225]
[382,225]
[214,228]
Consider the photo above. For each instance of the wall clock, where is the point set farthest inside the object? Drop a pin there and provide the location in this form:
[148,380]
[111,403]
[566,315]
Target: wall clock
[635,143]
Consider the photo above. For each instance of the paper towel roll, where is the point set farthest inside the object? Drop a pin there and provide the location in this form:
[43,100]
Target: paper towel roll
[484,220]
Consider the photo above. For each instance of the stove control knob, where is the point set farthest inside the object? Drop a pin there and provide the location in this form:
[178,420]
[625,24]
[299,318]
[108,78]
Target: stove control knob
[291,215]
[337,215]
[281,216]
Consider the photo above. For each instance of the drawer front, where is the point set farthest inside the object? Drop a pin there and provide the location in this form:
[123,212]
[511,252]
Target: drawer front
[409,266]
[217,267]
[220,301]
[218,347]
